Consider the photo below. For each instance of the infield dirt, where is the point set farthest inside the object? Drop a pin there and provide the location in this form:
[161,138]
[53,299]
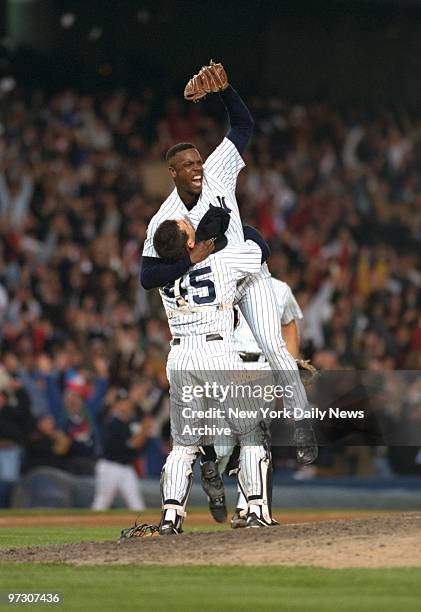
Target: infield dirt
[383,541]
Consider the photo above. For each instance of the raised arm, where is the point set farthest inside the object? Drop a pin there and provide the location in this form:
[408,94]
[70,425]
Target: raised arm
[241,121]
[213,79]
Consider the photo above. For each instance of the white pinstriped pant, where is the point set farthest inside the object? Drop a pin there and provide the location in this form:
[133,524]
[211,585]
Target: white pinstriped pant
[258,304]
[112,478]
[192,363]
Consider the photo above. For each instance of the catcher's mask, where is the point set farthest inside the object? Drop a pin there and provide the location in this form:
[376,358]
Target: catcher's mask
[213,225]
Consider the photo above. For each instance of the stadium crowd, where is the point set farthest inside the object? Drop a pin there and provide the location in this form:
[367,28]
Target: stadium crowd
[337,194]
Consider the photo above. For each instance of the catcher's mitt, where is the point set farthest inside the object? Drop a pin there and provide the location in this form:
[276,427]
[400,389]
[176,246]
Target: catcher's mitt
[138,531]
[308,373]
[210,79]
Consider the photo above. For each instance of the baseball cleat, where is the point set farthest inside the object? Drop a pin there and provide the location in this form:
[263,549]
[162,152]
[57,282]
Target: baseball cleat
[306,445]
[253,521]
[238,520]
[274,523]
[168,528]
[214,488]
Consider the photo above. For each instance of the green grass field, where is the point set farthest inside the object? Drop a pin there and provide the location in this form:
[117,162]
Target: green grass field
[224,588]
[148,588]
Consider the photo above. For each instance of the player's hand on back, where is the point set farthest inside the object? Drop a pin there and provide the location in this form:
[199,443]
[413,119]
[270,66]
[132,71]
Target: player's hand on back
[201,251]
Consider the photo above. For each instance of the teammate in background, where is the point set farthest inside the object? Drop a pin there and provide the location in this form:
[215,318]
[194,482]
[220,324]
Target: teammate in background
[198,186]
[200,314]
[254,359]
[123,438]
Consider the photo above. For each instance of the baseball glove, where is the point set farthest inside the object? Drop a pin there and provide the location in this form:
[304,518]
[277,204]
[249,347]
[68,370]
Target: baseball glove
[210,79]
[308,373]
[138,531]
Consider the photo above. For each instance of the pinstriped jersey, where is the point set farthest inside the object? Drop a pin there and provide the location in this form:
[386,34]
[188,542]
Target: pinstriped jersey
[288,310]
[220,172]
[208,285]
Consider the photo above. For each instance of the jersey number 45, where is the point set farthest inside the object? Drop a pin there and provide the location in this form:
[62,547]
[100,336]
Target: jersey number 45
[198,283]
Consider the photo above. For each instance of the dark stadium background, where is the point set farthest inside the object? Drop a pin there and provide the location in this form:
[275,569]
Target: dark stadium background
[369,50]
[342,63]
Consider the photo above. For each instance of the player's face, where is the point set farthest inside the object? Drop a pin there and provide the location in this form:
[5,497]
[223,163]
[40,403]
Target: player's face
[188,228]
[187,172]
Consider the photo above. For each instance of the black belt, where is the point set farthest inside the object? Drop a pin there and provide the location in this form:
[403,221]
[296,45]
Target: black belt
[249,357]
[209,338]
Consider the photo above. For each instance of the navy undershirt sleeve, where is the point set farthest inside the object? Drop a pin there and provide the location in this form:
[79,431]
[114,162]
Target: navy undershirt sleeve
[241,121]
[250,233]
[156,272]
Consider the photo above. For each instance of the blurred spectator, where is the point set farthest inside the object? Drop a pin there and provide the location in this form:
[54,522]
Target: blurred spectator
[47,446]
[79,425]
[15,425]
[16,191]
[124,436]
[32,380]
[151,403]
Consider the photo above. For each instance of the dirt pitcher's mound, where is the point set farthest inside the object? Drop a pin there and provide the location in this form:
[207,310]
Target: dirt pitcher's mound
[377,542]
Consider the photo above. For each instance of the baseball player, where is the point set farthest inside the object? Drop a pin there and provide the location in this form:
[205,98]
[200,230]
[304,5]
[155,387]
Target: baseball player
[200,185]
[199,308]
[123,438]
[254,359]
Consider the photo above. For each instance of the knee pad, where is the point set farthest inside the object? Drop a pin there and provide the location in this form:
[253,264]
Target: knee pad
[182,457]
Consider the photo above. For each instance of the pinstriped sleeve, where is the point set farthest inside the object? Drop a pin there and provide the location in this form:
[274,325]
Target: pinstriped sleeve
[243,259]
[225,164]
[148,247]
[286,302]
